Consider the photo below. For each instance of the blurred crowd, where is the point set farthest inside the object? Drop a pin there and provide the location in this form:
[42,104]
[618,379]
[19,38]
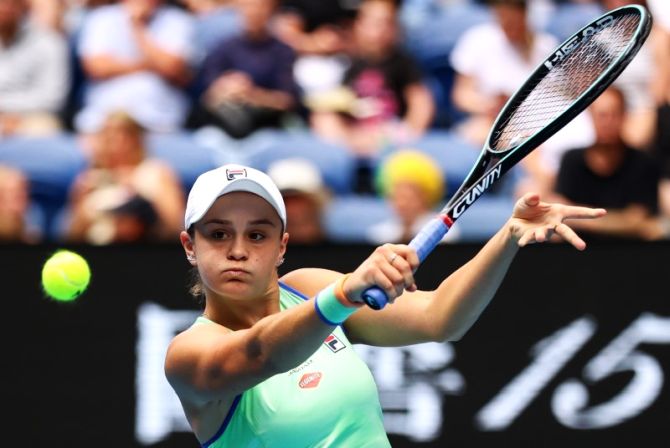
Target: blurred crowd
[371,76]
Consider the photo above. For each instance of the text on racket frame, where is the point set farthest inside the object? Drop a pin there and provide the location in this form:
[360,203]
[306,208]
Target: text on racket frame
[576,40]
[476,191]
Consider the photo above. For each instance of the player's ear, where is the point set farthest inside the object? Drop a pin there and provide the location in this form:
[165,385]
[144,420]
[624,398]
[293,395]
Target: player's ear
[188,245]
[282,248]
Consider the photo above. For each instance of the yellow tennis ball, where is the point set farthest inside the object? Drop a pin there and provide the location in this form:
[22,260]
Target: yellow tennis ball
[65,276]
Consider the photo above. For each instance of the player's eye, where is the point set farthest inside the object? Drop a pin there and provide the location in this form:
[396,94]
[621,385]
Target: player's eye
[219,234]
[256,236]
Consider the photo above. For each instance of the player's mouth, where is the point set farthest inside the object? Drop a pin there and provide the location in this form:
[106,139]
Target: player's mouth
[235,273]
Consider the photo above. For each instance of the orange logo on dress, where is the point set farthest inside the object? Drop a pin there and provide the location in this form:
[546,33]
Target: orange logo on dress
[310,380]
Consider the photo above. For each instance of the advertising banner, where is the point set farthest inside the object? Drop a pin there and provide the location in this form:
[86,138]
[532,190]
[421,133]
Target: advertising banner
[573,351]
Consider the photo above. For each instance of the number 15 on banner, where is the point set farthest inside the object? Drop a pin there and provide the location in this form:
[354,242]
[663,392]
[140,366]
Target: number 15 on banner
[570,401]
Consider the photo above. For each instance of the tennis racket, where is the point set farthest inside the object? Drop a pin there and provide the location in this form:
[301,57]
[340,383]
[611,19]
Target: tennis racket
[560,88]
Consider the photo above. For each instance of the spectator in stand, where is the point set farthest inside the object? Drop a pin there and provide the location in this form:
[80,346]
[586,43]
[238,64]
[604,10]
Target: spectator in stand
[612,175]
[320,34]
[247,78]
[316,27]
[136,56]
[305,196]
[414,186]
[495,58]
[15,225]
[34,73]
[384,99]
[125,195]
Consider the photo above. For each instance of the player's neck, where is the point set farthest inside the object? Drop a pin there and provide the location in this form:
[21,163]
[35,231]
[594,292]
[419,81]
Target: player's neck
[238,314]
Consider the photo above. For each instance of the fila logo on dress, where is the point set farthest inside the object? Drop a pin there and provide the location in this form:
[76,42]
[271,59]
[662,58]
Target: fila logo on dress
[334,344]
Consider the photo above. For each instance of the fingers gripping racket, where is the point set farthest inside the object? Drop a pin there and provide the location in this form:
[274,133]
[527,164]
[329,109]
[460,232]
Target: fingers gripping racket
[561,87]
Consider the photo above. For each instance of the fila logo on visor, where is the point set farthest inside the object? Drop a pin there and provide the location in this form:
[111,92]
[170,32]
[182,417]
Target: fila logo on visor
[234,174]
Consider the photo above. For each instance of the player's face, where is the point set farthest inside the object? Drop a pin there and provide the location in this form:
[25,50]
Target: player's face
[237,246]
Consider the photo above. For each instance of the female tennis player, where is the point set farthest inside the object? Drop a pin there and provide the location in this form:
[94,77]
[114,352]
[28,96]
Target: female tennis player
[270,361]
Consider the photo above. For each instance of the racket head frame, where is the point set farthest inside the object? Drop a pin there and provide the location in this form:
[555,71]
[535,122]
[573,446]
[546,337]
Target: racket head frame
[492,164]
[489,158]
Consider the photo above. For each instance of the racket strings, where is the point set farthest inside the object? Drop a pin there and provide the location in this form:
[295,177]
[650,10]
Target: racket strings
[566,81]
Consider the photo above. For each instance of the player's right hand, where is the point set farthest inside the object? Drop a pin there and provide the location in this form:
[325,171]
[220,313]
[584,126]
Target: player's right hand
[390,267]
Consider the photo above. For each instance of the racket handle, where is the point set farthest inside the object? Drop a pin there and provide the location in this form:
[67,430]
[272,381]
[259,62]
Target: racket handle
[423,243]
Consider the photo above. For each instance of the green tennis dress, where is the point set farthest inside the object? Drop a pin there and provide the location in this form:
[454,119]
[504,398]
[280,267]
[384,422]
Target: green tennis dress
[330,400]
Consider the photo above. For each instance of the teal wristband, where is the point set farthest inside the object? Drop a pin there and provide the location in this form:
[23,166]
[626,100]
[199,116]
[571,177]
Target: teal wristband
[329,309]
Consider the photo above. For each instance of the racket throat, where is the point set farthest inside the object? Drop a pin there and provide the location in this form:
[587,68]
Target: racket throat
[475,191]
[479,173]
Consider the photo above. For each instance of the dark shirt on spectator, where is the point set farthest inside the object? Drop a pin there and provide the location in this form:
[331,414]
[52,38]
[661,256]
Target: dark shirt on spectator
[269,62]
[635,182]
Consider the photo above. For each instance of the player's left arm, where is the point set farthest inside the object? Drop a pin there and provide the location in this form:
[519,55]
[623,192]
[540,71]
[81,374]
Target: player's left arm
[419,316]
[447,312]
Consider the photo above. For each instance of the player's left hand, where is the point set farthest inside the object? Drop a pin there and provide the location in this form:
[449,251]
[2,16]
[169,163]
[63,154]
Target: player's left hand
[534,221]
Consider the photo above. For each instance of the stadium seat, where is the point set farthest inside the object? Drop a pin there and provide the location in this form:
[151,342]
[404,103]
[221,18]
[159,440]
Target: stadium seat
[184,153]
[346,219]
[335,163]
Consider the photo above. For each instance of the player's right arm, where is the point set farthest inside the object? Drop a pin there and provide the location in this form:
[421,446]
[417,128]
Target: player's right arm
[211,362]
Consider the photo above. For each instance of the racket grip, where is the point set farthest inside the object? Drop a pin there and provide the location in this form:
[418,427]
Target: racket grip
[429,237]
[375,298]
[423,243]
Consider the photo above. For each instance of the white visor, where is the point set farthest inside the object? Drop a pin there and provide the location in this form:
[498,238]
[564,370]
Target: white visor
[210,185]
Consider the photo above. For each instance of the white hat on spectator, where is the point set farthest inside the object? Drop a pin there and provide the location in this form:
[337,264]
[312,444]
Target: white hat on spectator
[296,175]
